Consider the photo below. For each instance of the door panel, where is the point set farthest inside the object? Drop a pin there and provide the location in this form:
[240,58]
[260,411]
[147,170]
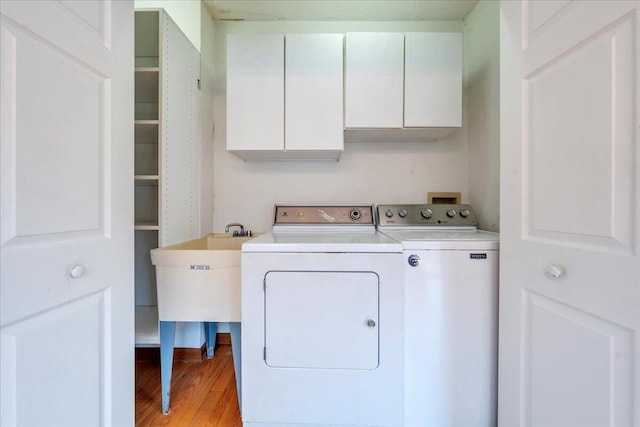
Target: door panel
[577,110]
[255,92]
[570,232]
[66,235]
[75,325]
[557,365]
[374,80]
[542,13]
[40,159]
[319,319]
[94,16]
[314,92]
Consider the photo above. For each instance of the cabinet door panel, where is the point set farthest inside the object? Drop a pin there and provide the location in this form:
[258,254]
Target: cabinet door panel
[433,80]
[314,76]
[318,319]
[374,80]
[255,92]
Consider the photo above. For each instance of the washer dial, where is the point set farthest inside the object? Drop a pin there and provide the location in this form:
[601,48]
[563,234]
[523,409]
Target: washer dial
[426,213]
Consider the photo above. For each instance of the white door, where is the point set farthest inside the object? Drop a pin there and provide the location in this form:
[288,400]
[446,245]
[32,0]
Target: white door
[569,350]
[66,289]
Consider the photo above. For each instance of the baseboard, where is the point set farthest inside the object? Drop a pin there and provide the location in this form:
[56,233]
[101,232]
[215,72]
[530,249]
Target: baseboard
[152,354]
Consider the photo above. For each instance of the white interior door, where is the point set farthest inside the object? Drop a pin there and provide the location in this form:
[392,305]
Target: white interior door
[66,293]
[570,263]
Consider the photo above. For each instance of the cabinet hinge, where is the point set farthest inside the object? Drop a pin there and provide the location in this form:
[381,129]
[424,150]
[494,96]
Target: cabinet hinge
[199,85]
[264,285]
[264,353]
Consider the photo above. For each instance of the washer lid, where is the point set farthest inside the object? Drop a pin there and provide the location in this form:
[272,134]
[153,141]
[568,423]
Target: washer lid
[434,239]
[323,242]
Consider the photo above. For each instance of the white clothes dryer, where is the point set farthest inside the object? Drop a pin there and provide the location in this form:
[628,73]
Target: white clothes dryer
[322,330]
[451,314]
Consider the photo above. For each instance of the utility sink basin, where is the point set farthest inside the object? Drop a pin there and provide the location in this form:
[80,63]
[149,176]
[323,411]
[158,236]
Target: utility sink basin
[199,280]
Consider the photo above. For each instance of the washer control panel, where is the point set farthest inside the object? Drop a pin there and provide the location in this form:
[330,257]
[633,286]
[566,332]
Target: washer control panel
[429,215]
[319,215]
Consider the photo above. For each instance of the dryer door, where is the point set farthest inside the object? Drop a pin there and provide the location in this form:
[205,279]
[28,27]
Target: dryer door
[319,319]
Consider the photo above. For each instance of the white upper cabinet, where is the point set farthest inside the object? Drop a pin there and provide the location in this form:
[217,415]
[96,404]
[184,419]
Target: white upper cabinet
[433,80]
[403,81]
[314,88]
[281,108]
[374,64]
[255,92]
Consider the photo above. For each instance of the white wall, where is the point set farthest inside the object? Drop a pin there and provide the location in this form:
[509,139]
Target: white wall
[482,96]
[367,173]
[185,13]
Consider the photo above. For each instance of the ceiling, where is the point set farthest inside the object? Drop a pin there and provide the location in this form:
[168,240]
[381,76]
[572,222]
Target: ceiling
[339,10]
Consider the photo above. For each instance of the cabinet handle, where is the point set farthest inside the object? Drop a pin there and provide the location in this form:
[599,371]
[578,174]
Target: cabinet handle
[76,271]
[555,271]
[371,323]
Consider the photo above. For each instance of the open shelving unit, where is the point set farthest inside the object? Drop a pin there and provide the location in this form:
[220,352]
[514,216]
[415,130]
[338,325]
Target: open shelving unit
[167,136]
[147,171]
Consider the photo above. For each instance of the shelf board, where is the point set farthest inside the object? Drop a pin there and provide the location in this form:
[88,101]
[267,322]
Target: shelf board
[147,177]
[147,69]
[146,226]
[146,122]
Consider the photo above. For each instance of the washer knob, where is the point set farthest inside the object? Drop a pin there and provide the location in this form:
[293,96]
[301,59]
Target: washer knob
[402,213]
[451,213]
[426,213]
[389,213]
[464,213]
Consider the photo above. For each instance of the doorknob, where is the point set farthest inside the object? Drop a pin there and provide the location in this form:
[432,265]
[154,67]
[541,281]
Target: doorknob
[76,271]
[555,271]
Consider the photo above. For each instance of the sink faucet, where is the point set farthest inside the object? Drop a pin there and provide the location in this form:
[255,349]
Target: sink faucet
[237,233]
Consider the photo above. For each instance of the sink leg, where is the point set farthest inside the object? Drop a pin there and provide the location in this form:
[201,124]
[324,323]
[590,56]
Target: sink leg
[210,329]
[236,348]
[167,337]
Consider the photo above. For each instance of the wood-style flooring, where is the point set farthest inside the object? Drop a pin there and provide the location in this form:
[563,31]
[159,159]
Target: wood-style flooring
[203,392]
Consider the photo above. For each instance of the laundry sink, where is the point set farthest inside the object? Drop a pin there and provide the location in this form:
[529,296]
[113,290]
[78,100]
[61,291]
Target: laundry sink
[199,280]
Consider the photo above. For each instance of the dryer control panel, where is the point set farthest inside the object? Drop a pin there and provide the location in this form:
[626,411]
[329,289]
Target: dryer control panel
[324,215]
[426,215]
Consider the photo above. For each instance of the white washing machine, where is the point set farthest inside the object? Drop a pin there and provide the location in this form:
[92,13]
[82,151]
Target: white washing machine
[451,314]
[322,321]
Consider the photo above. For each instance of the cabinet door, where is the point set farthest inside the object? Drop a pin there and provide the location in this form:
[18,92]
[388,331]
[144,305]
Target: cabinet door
[374,80]
[255,92]
[433,80]
[323,320]
[314,85]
